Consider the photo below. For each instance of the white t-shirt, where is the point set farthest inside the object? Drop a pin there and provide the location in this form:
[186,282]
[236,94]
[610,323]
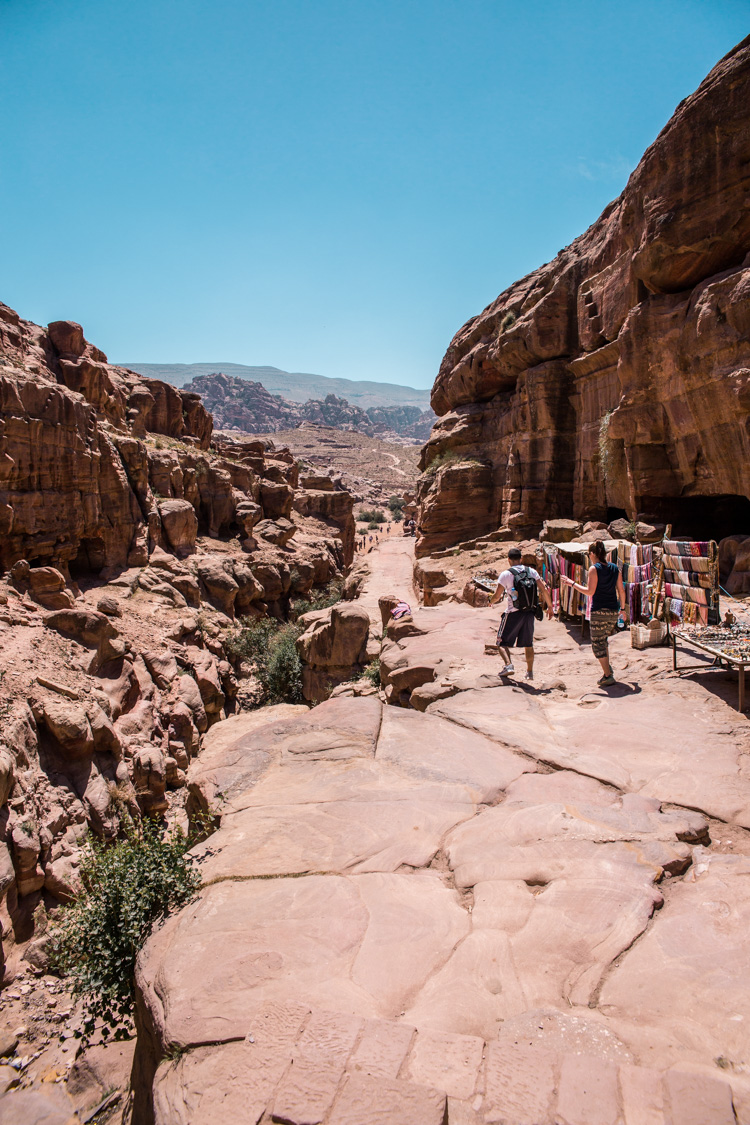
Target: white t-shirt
[507,580]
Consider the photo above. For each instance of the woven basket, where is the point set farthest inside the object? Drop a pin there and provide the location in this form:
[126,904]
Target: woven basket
[645,636]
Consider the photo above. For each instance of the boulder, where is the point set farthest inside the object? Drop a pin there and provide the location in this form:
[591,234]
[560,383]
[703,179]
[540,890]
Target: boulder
[67,723]
[276,499]
[109,605]
[316,481]
[220,586]
[150,779]
[180,525]
[649,532]
[188,692]
[278,531]
[89,628]
[187,586]
[560,531]
[162,666]
[247,513]
[206,673]
[621,529]
[333,648]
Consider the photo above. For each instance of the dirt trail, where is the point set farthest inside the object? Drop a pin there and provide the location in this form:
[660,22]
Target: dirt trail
[391,564]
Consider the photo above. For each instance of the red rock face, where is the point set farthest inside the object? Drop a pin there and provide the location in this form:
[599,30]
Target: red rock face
[82,488]
[618,375]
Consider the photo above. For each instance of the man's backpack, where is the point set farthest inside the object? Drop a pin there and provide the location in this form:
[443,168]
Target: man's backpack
[524,586]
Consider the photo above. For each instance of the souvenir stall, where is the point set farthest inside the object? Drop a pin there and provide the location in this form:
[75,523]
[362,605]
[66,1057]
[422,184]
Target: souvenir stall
[571,561]
[691,583]
[691,607]
[728,644]
[635,561]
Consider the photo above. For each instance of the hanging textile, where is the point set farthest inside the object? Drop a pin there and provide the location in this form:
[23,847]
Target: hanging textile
[691,582]
[636,561]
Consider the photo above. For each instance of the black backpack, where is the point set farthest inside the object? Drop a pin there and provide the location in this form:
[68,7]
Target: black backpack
[524,585]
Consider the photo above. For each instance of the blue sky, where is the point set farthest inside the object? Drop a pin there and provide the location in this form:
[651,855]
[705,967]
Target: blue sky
[321,185]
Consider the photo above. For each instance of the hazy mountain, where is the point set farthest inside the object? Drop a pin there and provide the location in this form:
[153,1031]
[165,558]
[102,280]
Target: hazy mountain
[245,405]
[297,386]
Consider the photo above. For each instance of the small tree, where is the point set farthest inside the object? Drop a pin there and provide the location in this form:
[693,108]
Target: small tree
[284,670]
[126,888]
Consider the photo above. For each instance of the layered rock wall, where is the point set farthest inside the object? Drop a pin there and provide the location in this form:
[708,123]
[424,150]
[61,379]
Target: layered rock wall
[89,452]
[147,541]
[618,375]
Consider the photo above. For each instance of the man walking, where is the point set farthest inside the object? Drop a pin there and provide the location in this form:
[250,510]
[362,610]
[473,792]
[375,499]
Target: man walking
[523,587]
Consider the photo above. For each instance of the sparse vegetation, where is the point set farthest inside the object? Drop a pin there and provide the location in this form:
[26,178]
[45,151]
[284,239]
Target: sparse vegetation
[373,525]
[269,646]
[372,672]
[372,515]
[508,321]
[126,888]
[449,457]
[318,599]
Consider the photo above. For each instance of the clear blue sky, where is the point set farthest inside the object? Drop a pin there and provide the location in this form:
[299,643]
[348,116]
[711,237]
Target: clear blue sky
[322,185]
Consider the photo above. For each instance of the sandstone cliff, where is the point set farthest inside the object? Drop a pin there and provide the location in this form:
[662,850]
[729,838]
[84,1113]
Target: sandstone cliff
[130,542]
[616,377]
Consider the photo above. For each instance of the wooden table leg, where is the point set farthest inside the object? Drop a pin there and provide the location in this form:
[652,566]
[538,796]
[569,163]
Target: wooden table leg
[674,653]
[742,688]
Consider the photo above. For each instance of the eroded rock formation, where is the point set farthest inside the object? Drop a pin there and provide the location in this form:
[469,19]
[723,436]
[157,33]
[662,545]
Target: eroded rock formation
[618,375]
[130,545]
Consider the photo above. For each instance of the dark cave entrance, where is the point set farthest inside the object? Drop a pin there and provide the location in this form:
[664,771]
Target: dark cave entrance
[703,517]
[616,514]
[91,557]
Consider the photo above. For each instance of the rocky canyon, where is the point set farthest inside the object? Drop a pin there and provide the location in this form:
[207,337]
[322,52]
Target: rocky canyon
[426,893]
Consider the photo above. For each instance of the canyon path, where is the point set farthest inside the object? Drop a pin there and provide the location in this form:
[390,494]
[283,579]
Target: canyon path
[527,904]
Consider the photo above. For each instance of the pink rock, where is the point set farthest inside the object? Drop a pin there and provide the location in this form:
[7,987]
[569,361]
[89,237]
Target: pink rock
[372,1101]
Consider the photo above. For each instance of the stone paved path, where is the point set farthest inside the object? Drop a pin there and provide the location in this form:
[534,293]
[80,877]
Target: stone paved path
[522,903]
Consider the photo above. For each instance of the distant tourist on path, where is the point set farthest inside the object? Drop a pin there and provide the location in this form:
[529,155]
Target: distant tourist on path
[524,588]
[607,595]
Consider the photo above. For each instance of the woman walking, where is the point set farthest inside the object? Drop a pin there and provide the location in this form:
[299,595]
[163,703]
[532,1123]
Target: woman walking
[607,595]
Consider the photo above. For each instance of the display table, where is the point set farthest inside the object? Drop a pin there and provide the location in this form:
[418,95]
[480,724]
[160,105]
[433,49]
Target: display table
[713,648]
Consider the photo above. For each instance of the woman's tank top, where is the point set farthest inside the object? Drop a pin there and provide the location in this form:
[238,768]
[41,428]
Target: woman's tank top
[605,594]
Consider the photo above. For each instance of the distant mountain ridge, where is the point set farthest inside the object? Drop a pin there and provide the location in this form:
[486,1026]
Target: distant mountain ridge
[295,385]
[247,406]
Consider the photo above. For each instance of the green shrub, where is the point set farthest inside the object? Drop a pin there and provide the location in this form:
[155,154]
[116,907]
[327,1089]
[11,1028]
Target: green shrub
[283,682]
[372,515]
[398,516]
[396,503]
[372,672]
[324,598]
[373,526]
[126,888]
[251,641]
[508,321]
[269,646]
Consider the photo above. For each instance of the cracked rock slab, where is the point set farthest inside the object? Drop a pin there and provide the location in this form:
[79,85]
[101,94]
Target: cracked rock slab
[323,941]
[620,741]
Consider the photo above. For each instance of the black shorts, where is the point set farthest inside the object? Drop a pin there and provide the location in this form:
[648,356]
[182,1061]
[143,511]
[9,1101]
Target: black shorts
[516,629]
